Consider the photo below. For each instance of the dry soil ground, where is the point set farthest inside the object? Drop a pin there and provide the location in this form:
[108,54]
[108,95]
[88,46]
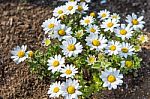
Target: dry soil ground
[21,24]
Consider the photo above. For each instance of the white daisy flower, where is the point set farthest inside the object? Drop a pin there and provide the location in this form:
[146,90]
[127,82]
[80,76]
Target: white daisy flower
[143,38]
[126,49]
[70,89]
[93,29]
[82,7]
[59,11]
[136,22]
[46,42]
[109,24]
[68,71]
[87,20]
[70,47]
[113,47]
[56,63]
[71,7]
[126,64]
[55,90]
[62,32]
[87,1]
[19,54]
[91,59]
[111,78]
[124,31]
[50,24]
[96,42]
[103,14]
[115,16]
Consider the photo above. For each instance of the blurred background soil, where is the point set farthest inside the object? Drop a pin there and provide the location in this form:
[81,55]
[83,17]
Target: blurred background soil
[20,23]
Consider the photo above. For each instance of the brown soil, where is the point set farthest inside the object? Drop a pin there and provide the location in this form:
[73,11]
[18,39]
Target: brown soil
[21,24]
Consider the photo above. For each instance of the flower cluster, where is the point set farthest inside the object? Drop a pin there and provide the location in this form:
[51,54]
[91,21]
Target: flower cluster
[68,89]
[86,51]
[19,54]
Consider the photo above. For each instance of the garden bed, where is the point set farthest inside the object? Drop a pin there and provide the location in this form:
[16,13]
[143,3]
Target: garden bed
[21,24]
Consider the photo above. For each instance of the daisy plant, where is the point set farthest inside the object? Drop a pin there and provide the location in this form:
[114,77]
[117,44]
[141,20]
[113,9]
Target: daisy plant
[85,52]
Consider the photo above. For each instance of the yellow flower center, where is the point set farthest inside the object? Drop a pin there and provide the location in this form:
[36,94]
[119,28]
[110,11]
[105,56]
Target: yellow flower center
[61,32]
[135,22]
[111,78]
[124,50]
[128,64]
[92,14]
[110,24]
[56,89]
[142,38]
[21,53]
[70,8]
[71,47]
[71,89]
[123,32]
[104,15]
[91,59]
[30,54]
[60,11]
[92,30]
[68,72]
[87,21]
[96,42]
[56,63]
[112,47]
[51,25]
[47,42]
[82,0]
[80,8]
